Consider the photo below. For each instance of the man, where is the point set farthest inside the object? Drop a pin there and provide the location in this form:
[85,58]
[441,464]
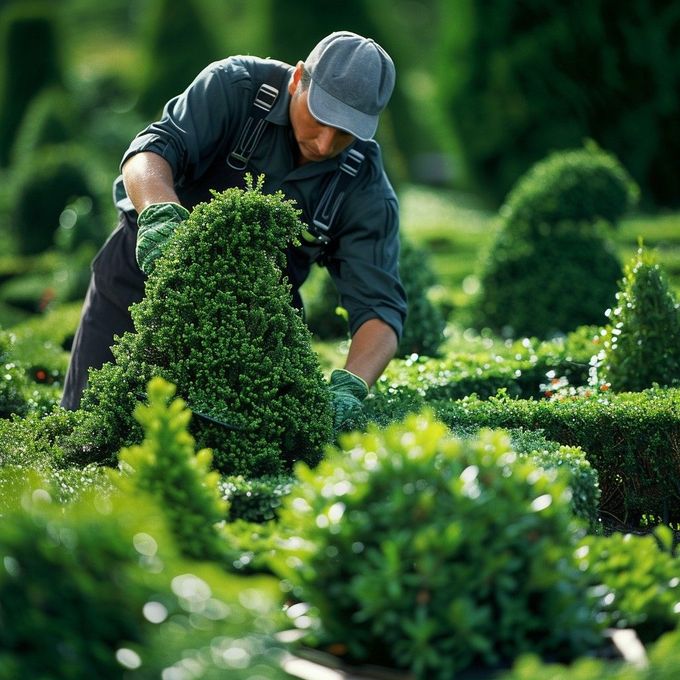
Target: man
[309,130]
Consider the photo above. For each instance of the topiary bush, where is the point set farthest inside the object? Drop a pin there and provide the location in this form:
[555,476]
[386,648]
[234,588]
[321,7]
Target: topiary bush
[551,267]
[44,185]
[434,554]
[641,342]
[217,321]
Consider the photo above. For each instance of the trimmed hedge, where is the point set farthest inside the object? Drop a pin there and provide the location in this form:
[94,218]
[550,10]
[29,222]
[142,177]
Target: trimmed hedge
[631,439]
[552,267]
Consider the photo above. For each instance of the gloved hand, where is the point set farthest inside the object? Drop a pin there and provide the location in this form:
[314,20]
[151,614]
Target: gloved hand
[347,393]
[156,224]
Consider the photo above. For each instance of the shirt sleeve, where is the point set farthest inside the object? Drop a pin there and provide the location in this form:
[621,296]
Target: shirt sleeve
[365,263]
[197,124]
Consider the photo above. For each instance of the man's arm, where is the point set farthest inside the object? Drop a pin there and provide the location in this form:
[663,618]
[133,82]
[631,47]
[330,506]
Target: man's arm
[373,346]
[148,180]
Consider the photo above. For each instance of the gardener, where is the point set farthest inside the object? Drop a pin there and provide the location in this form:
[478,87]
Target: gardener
[309,130]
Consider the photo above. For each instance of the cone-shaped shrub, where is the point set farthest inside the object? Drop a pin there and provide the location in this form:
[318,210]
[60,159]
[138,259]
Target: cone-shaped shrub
[552,268]
[217,322]
[433,554]
[642,339]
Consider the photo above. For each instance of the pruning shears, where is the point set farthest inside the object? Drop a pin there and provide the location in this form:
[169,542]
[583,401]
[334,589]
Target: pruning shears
[208,418]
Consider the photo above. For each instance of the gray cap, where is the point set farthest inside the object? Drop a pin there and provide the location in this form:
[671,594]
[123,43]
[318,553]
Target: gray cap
[352,81]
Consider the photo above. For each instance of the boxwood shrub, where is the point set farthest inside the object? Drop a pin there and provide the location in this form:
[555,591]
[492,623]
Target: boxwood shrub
[217,322]
[641,343]
[429,553]
[631,439]
[551,267]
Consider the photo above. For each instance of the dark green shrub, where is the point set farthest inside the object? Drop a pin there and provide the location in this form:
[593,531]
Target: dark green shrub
[28,36]
[641,344]
[43,187]
[424,327]
[166,467]
[431,553]
[95,589]
[641,581]
[217,321]
[551,267]
[631,439]
[523,79]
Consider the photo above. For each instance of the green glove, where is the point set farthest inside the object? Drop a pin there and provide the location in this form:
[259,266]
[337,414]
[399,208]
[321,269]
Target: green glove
[347,392]
[156,222]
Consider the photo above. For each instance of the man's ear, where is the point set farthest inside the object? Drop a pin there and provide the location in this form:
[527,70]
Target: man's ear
[295,80]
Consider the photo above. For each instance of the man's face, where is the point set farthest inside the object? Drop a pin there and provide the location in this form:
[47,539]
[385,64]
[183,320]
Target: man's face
[316,141]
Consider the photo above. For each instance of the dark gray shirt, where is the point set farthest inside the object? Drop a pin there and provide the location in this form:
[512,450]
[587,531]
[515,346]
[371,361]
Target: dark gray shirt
[199,128]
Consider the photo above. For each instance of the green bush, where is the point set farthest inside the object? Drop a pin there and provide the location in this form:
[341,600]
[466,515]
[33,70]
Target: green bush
[551,267]
[44,186]
[95,589]
[28,36]
[166,467]
[631,439]
[641,344]
[217,321]
[424,327]
[434,554]
[637,579]
[323,314]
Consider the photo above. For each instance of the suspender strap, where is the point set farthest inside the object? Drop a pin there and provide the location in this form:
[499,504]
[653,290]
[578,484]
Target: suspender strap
[334,193]
[254,127]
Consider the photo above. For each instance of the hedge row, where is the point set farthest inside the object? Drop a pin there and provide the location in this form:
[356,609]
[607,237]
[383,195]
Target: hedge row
[632,439]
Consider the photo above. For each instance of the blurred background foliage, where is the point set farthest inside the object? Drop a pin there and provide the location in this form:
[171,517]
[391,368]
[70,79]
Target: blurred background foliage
[484,91]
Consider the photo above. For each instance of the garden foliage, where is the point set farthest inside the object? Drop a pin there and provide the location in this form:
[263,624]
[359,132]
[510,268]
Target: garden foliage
[631,439]
[641,343]
[641,579]
[95,589]
[551,267]
[217,322]
[431,553]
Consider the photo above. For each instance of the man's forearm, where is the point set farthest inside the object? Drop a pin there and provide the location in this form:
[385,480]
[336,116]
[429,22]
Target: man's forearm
[373,346]
[148,180]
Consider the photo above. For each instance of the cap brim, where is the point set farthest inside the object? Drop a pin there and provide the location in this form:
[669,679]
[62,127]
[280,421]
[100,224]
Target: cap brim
[329,110]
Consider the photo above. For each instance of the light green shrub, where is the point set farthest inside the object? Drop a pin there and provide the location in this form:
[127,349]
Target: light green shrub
[641,343]
[166,466]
